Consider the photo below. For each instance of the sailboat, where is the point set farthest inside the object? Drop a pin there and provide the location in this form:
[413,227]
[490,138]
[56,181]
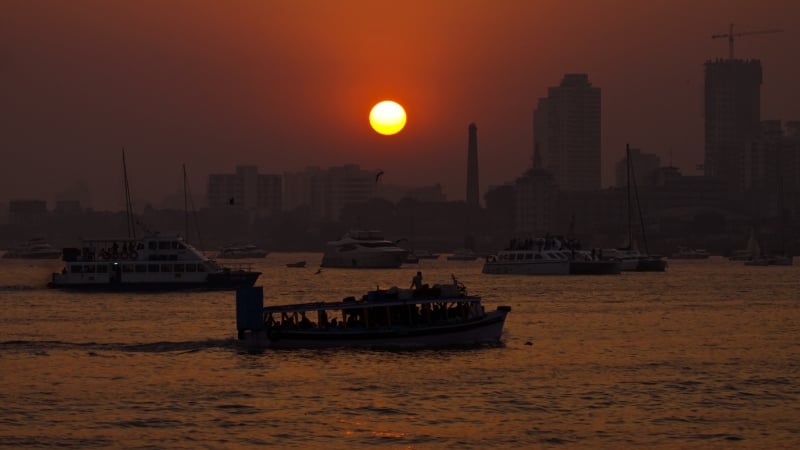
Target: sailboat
[632,258]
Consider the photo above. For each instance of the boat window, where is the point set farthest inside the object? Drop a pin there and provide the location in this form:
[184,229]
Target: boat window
[152,267]
[102,268]
[191,268]
[163,245]
[201,268]
[176,245]
[141,268]
[538,256]
[90,268]
[520,256]
[179,268]
[140,246]
[166,267]
[152,245]
[528,255]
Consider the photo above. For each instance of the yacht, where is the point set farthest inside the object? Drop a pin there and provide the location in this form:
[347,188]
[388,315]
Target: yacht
[154,263]
[361,249]
[531,261]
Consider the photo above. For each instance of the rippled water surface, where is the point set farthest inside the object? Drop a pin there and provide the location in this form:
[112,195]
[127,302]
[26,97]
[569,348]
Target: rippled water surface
[705,355]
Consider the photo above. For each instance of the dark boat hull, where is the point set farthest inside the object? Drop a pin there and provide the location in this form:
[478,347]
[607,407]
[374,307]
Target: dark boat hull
[486,331]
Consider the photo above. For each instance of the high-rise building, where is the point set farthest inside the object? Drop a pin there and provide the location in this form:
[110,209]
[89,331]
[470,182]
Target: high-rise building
[473,191]
[732,118]
[644,167]
[536,204]
[327,191]
[247,189]
[566,129]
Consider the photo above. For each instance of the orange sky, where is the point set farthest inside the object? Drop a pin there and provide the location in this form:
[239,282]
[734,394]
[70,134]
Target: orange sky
[287,84]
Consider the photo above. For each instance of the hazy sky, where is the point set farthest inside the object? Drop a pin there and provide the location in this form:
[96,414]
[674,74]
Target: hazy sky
[288,84]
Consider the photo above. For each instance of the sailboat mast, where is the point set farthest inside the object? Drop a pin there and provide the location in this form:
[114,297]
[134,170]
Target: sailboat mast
[628,186]
[639,209]
[185,206]
[128,205]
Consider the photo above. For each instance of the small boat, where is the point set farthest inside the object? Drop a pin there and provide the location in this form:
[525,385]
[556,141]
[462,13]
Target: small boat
[462,254]
[242,251]
[296,264]
[411,258]
[690,253]
[425,254]
[428,317]
[359,249]
[36,248]
[154,263]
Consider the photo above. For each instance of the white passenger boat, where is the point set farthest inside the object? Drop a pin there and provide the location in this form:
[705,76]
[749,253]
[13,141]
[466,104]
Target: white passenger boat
[36,248]
[363,250]
[531,261]
[430,317]
[155,262]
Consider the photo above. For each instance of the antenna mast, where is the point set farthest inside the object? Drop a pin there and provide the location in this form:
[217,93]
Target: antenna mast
[128,205]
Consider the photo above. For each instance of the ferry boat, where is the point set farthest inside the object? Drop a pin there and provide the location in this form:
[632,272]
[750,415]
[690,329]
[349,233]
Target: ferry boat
[428,317]
[156,263]
[363,250]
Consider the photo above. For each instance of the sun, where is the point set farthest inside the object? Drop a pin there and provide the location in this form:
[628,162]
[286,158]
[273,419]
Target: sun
[387,117]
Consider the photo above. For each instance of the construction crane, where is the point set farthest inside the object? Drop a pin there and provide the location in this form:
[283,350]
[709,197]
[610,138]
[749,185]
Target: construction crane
[730,35]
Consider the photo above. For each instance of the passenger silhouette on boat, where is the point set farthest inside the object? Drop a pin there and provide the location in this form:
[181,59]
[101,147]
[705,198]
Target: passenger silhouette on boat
[416,282]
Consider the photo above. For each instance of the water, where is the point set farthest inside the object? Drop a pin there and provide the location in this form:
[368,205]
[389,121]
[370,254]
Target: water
[702,356]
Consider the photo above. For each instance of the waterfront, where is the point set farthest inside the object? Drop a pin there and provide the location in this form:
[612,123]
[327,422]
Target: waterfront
[702,356]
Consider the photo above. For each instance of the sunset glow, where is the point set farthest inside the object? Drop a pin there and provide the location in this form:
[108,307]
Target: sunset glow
[387,117]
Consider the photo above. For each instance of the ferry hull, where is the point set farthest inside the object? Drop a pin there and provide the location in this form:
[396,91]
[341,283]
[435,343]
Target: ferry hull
[486,331]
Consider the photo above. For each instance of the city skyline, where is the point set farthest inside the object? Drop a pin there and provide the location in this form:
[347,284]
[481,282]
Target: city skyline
[286,85]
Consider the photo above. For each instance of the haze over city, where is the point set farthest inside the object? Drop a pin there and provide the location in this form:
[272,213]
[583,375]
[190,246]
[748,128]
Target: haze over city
[288,84]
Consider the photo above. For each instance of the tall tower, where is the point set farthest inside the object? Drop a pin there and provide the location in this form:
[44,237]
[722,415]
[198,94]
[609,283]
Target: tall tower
[473,193]
[566,128]
[732,118]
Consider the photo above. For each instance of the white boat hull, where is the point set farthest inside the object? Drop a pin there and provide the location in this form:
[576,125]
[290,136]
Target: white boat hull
[527,268]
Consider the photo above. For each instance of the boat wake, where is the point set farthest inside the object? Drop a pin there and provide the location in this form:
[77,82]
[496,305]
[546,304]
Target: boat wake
[43,347]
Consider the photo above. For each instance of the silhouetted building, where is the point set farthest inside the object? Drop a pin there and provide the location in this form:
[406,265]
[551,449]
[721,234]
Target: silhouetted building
[644,165]
[566,129]
[473,191]
[327,191]
[537,204]
[732,118]
[27,211]
[247,189]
